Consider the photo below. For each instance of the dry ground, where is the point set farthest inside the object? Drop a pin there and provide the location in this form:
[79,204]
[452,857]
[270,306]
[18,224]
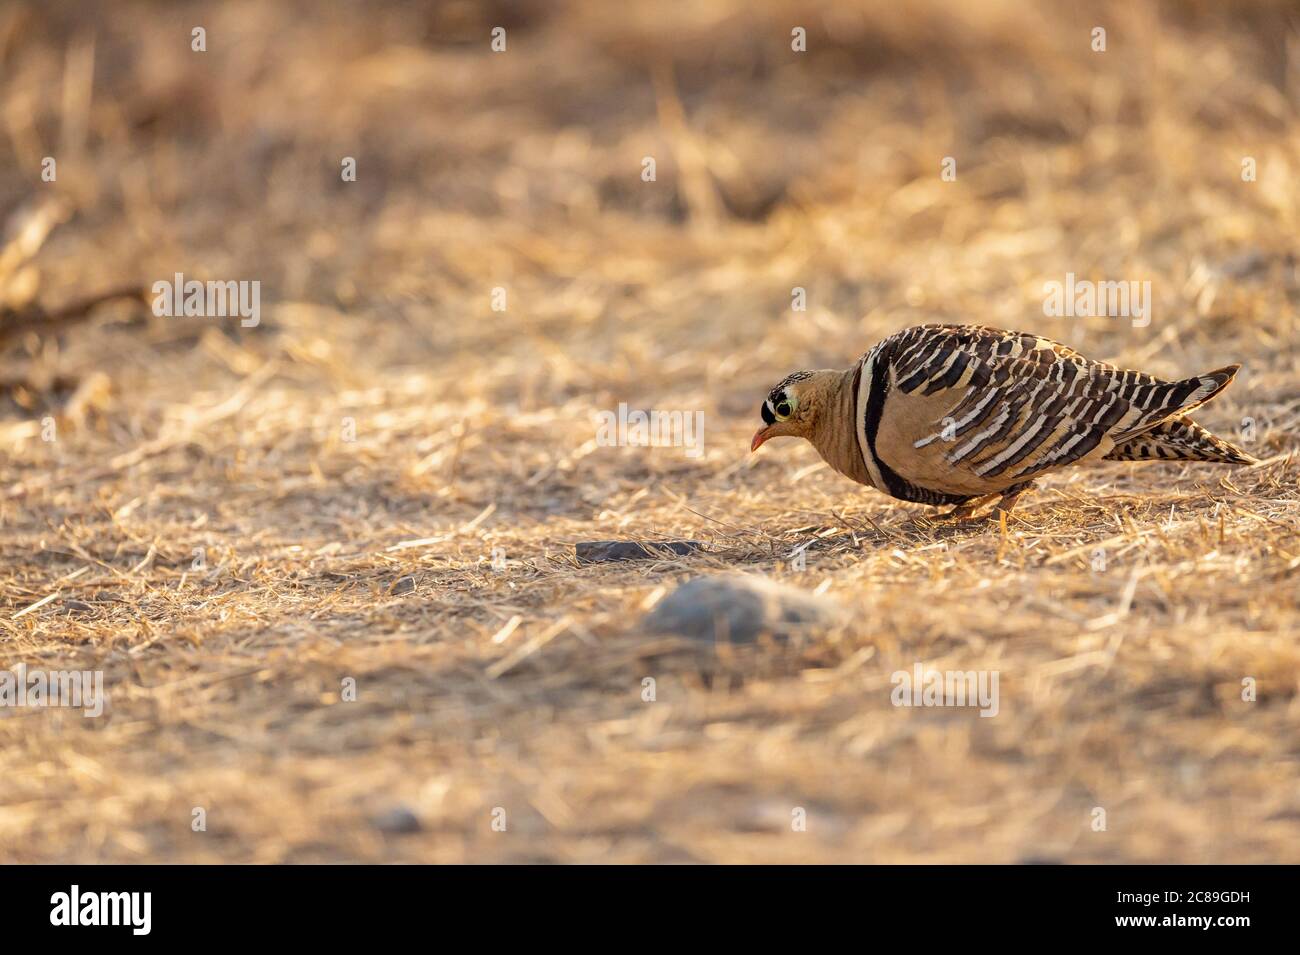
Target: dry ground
[1121,681]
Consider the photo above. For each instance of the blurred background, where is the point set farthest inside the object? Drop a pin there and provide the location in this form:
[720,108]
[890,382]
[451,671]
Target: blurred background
[472,428]
[774,169]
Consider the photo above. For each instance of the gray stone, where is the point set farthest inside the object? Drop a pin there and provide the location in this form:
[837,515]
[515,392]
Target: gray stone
[739,609]
[595,552]
[399,820]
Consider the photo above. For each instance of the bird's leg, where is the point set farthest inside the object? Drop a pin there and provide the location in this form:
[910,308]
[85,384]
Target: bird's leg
[1003,501]
[963,511]
[1007,501]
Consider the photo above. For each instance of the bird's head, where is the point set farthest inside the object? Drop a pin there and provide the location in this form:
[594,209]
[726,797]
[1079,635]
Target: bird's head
[793,407]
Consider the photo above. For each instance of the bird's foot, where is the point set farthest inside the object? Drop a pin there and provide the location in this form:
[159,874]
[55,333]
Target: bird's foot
[962,512]
[1002,503]
[1007,502]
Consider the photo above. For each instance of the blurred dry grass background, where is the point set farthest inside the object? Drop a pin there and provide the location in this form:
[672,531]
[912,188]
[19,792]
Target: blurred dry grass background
[1120,689]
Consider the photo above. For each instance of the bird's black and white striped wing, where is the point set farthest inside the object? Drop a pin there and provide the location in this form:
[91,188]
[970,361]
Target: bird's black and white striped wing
[1000,407]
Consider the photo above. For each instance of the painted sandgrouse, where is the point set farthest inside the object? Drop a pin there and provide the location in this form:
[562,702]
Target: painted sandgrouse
[957,414]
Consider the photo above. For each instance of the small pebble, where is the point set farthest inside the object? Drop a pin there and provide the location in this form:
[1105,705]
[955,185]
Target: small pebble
[595,552]
[402,585]
[398,820]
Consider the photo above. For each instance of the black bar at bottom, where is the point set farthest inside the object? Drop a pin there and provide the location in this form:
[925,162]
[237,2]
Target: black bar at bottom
[331,904]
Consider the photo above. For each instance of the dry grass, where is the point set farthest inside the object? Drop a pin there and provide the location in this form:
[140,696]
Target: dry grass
[1120,688]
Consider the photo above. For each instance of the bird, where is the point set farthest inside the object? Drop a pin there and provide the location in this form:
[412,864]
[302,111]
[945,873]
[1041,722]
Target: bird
[969,415]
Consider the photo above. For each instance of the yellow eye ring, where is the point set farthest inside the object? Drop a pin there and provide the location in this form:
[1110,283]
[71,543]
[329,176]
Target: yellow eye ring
[783,409]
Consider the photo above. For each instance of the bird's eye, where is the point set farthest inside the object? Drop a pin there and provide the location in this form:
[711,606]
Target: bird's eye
[783,409]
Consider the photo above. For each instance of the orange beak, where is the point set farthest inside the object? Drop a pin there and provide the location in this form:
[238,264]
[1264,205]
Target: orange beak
[760,436]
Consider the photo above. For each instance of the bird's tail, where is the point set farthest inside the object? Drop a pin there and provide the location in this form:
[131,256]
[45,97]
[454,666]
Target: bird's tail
[1207,386]
[1179,439]
[1164,401]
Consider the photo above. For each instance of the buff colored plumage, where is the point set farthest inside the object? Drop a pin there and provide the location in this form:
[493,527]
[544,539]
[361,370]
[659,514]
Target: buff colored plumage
[952,414]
